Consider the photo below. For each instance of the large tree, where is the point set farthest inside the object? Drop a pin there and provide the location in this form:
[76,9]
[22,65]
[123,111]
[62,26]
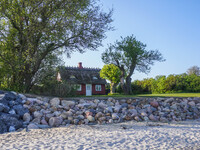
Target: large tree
[194,70]
[129,55]
[112,73]
[33,31]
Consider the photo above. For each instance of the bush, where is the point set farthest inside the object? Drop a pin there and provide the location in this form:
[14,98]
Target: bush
[170,84]
[54,88]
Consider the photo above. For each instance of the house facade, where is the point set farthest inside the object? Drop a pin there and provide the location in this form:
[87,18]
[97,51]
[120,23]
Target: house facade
[87,81]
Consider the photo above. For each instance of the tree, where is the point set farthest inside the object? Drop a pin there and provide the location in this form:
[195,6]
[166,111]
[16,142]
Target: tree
[129,55]
[33,31]
[194,70]
[112,73]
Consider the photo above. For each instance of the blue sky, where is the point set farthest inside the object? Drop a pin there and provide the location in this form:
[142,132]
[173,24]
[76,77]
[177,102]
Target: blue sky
[170,26]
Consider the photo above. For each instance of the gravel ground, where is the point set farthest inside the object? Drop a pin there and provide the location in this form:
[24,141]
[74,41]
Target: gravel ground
[128,135]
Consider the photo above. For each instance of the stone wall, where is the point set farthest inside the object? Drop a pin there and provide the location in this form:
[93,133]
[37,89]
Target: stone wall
[54,112]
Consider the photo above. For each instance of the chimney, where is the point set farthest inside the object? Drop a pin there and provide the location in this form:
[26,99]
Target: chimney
[80,65]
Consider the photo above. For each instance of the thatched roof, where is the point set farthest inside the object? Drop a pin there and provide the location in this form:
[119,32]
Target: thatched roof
[78,75]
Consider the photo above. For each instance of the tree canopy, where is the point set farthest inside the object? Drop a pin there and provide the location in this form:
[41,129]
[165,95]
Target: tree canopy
[194,70]
[112,73]
[129,55]
[34,31]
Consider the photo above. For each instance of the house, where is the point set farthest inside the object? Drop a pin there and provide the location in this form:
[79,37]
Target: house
[86,80]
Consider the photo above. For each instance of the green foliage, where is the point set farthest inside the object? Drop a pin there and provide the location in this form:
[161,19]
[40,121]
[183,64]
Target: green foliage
[170,84]
[110,72]
[54,88]
[129,55]
[33,33]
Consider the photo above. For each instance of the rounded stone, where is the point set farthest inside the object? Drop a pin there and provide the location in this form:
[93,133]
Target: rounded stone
[90,118]
[27,117]
[115,116]
[55,121]
[32,126]
[55,102]
[154,104]
[66,103]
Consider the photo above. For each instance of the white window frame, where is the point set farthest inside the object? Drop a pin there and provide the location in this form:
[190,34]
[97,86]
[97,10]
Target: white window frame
[78,87]
[98,88]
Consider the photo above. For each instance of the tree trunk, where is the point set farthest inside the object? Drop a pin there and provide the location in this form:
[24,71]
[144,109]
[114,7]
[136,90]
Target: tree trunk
[112,87]
[128,85]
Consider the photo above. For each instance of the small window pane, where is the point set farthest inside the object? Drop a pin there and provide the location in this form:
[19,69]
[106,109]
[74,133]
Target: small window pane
[98,87]
[77,87]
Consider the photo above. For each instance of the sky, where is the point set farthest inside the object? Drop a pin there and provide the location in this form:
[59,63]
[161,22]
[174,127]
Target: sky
[170,26]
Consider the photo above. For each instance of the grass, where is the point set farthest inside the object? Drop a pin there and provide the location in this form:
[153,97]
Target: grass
[153,95]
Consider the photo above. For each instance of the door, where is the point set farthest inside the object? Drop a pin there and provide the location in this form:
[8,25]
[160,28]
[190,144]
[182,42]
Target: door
[88,89]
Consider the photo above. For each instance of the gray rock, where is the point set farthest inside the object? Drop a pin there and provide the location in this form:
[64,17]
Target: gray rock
[11,129]
[90,118]
[110,121]
[3,127]
[124,105]
[12,112]
[133,112]
[55,121]
[42,126]
[174,106]
[152,118]
[1,107]
[117,108]
[115,116]
[80,117]
[37,114]
[11,120]
[36,121]
[27,117]
[55,102]
[23,97]
[76,121]
[32,126]
[109,109]
[191,103]
[102,105]
[66,103]
[20,110]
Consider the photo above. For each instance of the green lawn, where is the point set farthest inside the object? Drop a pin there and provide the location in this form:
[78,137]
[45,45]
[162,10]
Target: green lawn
[154,95]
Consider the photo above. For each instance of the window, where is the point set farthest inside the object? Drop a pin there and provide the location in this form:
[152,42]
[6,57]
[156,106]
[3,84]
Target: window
[77,87]
[98,87]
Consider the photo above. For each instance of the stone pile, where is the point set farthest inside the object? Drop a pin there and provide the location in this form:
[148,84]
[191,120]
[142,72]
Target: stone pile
[18,112]
[11,111]
[56,112]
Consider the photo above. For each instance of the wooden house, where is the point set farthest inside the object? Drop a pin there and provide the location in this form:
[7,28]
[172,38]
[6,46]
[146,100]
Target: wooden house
[86,80]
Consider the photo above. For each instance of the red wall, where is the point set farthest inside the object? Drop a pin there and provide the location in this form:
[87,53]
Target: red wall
[94,92]
[83,90]
[102,92]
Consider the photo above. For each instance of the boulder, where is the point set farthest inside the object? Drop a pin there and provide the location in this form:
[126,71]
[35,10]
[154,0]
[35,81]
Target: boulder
[3,127]
[90,118]
[11,120]
[32,126]
[154,104]
[66,103]
[11,129]
[152,118]
[37,114]
[20,110]
[27,117]
[55,102]
[115,116]
[55,121]
[191,103]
